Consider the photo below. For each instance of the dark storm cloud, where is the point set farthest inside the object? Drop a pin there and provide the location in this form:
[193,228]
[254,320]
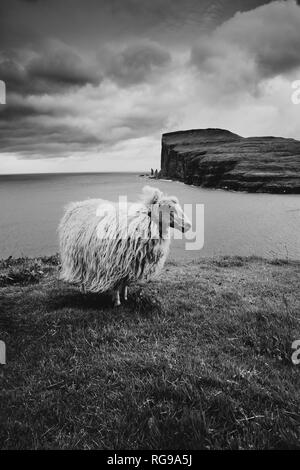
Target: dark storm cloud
[88,22]
[31,132]
[52,142]
[71,67]
[17,111]
[176,13]
[19,108]
[137,63]
[64,68]
[13,74]
[47,73]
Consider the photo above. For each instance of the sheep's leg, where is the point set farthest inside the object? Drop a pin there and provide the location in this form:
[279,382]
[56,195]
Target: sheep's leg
[125,293]
[117,302]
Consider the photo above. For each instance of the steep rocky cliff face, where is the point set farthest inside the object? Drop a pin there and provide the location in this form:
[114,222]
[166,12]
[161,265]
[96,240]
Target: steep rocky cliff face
[217,158]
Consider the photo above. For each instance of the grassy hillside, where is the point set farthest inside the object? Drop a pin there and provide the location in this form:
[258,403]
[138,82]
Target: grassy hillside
[199,359]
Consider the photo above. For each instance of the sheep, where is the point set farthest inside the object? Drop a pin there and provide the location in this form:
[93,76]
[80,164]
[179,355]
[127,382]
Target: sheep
[105,246]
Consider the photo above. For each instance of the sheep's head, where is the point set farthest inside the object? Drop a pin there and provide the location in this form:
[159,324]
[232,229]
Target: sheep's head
[165,211]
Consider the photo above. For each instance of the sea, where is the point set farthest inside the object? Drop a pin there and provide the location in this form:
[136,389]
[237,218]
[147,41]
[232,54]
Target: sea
[225,223]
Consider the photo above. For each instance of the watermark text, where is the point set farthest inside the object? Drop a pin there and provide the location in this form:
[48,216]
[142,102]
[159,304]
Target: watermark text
[296,94]
[2,352]
[2,92]
[124,220]
[296,354]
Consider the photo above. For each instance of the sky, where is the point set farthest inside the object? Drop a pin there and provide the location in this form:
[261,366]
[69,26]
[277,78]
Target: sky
[92,84]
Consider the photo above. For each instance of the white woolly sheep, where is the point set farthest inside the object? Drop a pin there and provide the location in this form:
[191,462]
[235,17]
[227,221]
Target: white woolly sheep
[106,246]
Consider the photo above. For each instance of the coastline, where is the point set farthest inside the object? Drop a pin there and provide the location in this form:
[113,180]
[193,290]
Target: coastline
[218,158]
[211,188]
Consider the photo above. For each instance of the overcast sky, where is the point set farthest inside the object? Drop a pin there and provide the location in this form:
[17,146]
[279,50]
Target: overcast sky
[92,84]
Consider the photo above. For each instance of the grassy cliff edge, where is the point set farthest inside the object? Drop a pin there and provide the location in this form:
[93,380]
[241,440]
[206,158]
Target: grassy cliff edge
[198,359]
[217,158]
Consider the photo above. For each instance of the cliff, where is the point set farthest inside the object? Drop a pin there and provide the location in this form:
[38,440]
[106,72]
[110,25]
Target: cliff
[217,158]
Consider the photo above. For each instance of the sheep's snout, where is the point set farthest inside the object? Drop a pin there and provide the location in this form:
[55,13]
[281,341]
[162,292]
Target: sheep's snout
[186,226]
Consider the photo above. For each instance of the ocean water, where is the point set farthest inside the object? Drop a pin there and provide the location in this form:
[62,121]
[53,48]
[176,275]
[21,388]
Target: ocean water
[234,223]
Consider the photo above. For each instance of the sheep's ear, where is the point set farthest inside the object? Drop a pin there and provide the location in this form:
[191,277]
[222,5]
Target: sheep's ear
[151,195]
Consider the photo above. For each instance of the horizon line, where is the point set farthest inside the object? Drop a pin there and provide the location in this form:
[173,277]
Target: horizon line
[73,172]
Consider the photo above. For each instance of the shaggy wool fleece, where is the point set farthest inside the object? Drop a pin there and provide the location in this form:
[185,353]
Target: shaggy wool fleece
[105,246]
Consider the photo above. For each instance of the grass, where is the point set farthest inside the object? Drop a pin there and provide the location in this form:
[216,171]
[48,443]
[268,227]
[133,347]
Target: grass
[199,359]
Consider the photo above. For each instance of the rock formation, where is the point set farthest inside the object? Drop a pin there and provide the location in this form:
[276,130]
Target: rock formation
[217,158]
